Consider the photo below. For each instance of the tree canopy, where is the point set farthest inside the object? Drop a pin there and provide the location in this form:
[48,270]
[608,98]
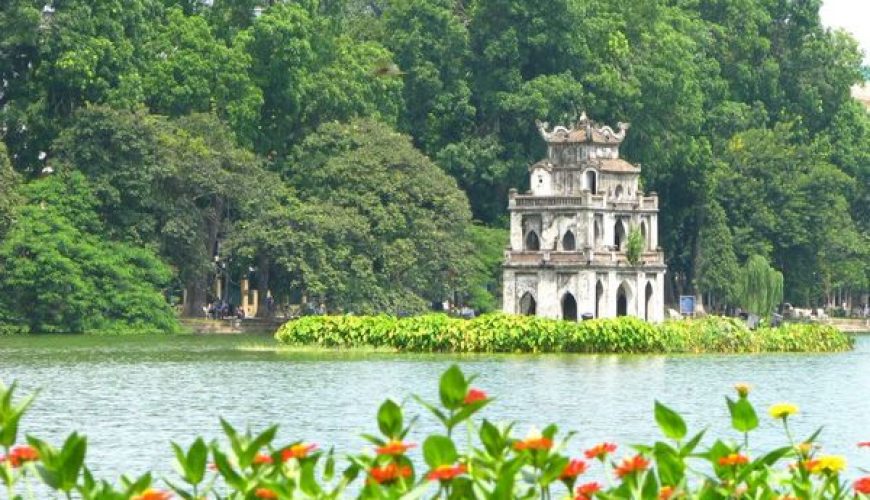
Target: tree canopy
[320,143]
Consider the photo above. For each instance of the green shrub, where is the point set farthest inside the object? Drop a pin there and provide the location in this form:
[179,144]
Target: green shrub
[499,332]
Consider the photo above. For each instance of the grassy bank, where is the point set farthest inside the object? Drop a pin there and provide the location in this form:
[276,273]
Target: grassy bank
[508,333]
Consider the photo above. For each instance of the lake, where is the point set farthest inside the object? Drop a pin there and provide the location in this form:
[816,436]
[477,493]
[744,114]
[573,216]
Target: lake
[132,395]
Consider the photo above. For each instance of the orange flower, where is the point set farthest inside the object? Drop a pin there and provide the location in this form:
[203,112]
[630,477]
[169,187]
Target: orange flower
[265,494]
[394,448]
[261,459]
[666,492]
[632,464]
[474,395]
[574,468]
[585,491]
[19,455]
[298,451]
[862,485]
[446,472]
[389,473]
[534,443]
[733,459]
[600,450]
[152,494]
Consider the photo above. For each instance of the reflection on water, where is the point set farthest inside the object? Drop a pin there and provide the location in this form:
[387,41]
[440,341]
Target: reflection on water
[131,396]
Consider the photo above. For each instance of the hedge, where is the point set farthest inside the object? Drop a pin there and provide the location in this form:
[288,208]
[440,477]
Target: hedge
[499,332]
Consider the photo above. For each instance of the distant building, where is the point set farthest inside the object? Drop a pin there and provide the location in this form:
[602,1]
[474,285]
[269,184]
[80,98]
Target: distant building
[567,254]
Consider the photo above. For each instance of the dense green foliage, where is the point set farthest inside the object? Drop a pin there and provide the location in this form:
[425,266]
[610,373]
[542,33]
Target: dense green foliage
[507,333]
[490,461]
[217,132]
[58,274]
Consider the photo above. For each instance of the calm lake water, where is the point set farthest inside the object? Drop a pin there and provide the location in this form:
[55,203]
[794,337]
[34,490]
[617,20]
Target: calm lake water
[131,396]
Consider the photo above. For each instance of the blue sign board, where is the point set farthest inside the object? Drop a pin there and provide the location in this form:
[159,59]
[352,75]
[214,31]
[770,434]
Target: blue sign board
[687,305]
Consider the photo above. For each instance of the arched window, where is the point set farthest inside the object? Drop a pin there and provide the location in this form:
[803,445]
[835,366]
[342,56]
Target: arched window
[528,305]
[533,243]
[598,232]
[618,234]
[592,181]
[599,299]
[643,235]
[569,307]
[647,300]
[569,243]
[621,301]
[618,193]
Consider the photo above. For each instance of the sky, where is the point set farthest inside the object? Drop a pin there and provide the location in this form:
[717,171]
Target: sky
[851,15]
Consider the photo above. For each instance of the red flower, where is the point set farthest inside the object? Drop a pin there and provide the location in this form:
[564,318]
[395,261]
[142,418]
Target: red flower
[862,485]
[389,473]
[632,464]
[265,494]
[474,395]
[152,494]
[585,491]
[394,448]
[600,451]
[574,468]
[21,454]
[446,472]
[298,451]
[539,443]
[864,444]
[734,459]
[261,459]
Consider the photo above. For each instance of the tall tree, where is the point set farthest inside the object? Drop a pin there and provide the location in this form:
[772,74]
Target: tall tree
[60,275]
[190,70]
[401,240]
[309,74]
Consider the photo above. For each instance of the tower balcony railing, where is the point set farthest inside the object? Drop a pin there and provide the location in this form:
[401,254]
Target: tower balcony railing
[612,257]
[587,200]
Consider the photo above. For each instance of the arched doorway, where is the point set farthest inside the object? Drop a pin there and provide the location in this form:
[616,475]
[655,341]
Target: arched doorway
[618,234]
[533,243]
[621,301]
[591,182]
[599,299]
[568,241]
[569,307]
[528,306]
[647,300]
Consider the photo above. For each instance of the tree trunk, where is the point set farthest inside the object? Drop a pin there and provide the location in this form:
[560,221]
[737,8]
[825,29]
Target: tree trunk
[196,299]
[263,310]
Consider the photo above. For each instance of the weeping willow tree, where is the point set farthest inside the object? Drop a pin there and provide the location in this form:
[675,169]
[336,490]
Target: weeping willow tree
[759,289]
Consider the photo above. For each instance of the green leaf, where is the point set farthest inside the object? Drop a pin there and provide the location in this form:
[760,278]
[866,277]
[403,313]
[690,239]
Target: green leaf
[390,419]
[453,388]
[743,416]
[670,422]
[491,438]
[670,464]
[690,446]
[439,450]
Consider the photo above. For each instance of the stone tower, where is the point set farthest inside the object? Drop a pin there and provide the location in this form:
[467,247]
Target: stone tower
[567,254]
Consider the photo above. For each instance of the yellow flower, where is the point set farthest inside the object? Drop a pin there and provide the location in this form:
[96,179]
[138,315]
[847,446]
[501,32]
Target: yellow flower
[783,410]
[804,448]
[742,389]
[830,464]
